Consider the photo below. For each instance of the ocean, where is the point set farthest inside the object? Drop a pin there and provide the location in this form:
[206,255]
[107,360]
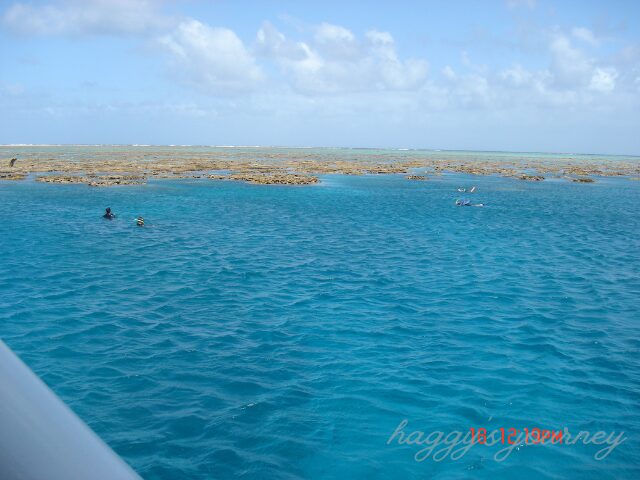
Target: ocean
[252,331]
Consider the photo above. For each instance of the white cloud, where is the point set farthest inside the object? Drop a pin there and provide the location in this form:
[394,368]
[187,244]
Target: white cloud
[352,73]
[473,90]
[334,41]
[585,35]
[89,17]
[213,59]
[449,73]
[272,43]
[575,72]
[603,80]
[335,61]
[516,76]
[572,79]
[570,65]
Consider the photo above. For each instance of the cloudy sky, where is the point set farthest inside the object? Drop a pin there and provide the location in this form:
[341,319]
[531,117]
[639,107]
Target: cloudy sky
[520,75]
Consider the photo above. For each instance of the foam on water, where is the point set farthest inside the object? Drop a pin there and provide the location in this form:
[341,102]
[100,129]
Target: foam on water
[275,332]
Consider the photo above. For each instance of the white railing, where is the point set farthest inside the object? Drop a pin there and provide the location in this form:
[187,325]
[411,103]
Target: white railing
[41,438]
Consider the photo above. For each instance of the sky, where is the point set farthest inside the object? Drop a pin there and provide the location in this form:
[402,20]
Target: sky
[513,75]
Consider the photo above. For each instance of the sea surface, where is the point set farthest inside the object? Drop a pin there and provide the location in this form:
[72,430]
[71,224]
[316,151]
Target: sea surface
[285,332]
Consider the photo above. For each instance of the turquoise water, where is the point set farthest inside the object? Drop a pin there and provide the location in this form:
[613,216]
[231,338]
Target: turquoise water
[285,332]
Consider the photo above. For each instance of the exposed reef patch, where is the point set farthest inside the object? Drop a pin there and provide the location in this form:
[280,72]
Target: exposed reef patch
[531,178]
[583,180]
[275,178]
[12,176]
[94,180]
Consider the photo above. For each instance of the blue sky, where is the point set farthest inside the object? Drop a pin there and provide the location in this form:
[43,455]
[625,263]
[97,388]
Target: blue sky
[521,75]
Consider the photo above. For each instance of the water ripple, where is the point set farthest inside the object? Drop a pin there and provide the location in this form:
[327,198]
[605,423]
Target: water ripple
[269,332]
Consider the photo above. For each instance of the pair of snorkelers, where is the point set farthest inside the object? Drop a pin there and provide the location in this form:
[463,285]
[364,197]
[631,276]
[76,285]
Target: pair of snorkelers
[109,215]
[466,202]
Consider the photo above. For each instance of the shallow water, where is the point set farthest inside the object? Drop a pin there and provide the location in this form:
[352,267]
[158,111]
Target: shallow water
[87,153]
[284,332]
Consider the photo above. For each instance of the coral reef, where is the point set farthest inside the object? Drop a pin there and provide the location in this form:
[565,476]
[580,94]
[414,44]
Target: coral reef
[108,166]
[94,180]
[583,180]
[275,178]
[12,176]
[531,178]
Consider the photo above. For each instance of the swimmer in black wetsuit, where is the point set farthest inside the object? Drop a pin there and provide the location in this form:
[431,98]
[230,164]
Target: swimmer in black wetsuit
[108,215]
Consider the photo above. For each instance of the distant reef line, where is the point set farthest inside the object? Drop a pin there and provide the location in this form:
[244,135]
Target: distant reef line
[111,167]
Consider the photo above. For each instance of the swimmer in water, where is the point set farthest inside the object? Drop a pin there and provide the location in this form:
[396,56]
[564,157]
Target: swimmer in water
[108,215]
[467,203]
[140,221]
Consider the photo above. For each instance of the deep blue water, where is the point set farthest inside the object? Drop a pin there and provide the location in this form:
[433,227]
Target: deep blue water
[284,332]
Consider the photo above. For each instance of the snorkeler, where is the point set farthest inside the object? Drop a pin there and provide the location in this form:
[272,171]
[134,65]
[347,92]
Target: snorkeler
[467,203]
[108,215]
[140,221]
[471,190]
